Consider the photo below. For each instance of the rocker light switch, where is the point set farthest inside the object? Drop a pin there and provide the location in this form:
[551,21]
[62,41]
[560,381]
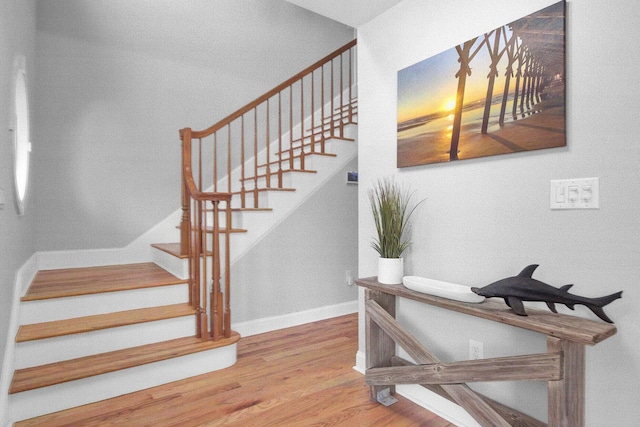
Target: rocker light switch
[573,193]
[560,194]
[580,193]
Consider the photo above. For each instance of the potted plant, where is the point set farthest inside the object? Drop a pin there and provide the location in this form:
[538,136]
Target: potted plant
[392,208]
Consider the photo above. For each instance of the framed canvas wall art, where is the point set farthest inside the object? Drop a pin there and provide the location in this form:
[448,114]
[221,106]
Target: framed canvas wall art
[500,92]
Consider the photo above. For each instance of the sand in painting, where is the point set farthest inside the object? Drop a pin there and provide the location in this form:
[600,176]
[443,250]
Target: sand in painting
[544,129]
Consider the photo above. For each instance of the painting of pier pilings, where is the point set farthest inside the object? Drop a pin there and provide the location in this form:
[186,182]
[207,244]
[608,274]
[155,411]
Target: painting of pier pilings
[500,92]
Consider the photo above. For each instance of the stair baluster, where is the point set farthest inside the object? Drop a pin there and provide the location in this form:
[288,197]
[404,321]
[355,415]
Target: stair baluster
[201,196]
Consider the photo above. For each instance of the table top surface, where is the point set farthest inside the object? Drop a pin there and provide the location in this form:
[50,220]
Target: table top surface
[571,328]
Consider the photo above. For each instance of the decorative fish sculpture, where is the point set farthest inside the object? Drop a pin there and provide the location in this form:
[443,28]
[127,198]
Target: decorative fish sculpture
[522,287]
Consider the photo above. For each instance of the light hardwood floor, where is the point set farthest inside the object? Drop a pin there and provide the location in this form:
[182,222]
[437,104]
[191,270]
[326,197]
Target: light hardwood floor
[299,376]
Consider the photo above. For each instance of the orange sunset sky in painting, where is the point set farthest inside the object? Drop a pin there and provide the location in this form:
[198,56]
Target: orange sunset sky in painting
[430,86]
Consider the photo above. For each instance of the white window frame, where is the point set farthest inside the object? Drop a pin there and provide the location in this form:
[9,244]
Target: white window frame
[21,130]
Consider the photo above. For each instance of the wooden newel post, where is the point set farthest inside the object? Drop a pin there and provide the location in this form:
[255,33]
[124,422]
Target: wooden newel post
[184,222]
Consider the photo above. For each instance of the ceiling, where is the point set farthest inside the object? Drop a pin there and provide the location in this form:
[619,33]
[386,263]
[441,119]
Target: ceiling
[353,13]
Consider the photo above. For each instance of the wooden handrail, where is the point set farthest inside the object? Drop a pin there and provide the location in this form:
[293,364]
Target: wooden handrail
[187,173]
[243,154]
[253,104]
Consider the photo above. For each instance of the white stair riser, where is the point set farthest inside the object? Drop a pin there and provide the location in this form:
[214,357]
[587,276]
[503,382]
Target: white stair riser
[263,201]
[174,265]
[50,350]
[236,219]
[88,305]
[58,397]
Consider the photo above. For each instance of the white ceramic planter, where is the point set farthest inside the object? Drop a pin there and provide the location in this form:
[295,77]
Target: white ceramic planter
[390,270]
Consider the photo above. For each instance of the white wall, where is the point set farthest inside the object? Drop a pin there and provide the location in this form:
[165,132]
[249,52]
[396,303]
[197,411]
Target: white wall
[117,81]
[17,233]
[302,263]
[486,219]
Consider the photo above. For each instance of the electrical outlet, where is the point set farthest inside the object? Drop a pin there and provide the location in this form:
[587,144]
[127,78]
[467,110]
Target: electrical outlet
[349,278]
[475,350]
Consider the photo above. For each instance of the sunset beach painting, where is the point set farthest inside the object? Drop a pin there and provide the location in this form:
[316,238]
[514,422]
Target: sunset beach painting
[501,92]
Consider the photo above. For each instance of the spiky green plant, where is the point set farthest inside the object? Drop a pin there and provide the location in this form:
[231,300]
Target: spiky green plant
[392,208]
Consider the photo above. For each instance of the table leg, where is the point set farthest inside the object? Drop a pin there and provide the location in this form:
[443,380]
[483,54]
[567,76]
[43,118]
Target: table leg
[380,348]
[566,396]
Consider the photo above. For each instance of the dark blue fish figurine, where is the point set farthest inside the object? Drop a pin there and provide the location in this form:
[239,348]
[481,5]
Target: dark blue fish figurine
[522,287]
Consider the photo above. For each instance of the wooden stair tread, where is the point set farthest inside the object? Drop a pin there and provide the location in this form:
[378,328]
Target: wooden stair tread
[296,156]
[84,281]
[173,249]
[285,157]
[170,248]
[274,174]
[209,229]
[265,189]
[244,210]
[225,230]
[236,210]
[77,325]
[88,366]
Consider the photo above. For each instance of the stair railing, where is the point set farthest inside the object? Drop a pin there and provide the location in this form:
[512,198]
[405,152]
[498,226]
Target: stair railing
[196,227]
[248,153]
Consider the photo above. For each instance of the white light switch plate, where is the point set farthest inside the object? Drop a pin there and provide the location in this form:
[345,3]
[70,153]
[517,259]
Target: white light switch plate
[580,193]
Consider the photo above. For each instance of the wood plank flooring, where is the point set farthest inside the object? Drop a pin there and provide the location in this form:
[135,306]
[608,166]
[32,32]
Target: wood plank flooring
[299,376]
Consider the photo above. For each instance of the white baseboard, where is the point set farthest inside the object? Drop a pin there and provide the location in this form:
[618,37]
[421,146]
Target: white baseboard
[426,399]
[361,362]
[23,279]
[437,404]
[268,324]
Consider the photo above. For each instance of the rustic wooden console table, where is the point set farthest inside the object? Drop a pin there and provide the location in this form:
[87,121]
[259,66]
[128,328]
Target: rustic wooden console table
[562,366]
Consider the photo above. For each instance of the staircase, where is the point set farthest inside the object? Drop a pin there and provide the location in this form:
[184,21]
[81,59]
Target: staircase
[89,334]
